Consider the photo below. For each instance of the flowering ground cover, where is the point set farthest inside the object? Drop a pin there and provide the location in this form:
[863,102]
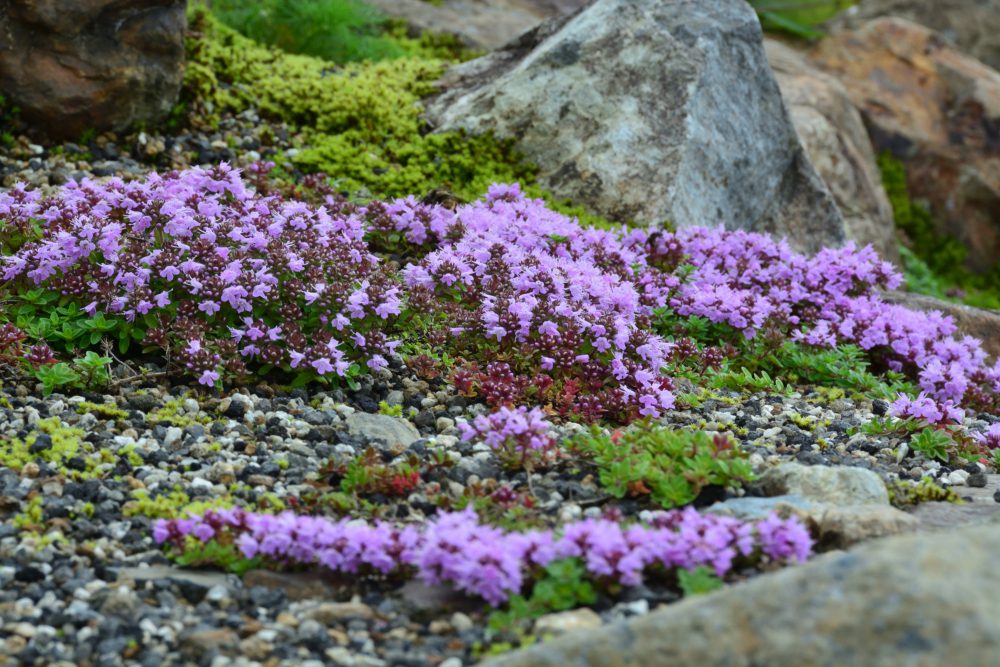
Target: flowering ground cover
[517,305]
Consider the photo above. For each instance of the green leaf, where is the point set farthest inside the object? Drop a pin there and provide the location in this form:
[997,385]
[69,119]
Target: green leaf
[698,581]
[777,21]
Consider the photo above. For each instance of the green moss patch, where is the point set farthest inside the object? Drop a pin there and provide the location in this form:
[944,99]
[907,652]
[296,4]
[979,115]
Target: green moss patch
[360,122]
[933,263]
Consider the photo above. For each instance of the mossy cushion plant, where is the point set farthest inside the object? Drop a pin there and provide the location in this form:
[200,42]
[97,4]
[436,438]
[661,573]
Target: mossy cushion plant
[360,122]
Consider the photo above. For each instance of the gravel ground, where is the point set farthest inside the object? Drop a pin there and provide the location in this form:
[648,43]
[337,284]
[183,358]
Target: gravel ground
[82,583]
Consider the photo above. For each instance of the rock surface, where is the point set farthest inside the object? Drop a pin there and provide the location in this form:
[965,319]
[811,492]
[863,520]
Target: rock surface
[482,24]
[935,109]
[91,64]
[837,143]
[972,25]
[394,432]
[651,112]
[978,322]
[826,484]
[935,605]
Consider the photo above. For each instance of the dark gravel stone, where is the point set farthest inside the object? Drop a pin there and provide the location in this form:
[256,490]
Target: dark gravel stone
[43,441]
[977,479]
[142,402]
[425,419]
[29,574]
[236,410]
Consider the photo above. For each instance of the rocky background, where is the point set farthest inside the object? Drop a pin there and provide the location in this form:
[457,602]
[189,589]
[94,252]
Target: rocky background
[642,112]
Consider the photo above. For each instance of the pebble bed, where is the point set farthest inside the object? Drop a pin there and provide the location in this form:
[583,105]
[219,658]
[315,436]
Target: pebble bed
[94,589]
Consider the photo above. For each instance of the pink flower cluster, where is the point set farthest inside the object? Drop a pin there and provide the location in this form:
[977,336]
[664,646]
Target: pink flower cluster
[991,439]
[560,299]
[486,561]
[515,433]
[540,309]
[749,281]
[220,275]
[925,408]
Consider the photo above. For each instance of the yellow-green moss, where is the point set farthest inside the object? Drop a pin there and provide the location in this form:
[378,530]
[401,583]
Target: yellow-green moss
[361,122]
[173,505]
[31,517]
[171,414]
[102,410]
[903,493]
[67,443]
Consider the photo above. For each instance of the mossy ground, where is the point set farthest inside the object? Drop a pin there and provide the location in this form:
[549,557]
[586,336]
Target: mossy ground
[359,123]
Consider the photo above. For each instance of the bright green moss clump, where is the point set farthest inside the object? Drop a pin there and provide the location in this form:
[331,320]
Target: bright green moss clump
[360,122]
[65,449]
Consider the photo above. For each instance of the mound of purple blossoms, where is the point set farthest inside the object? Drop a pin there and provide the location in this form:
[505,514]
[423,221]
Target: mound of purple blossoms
[488,562]
[537,309]
[516,434]
[221,277]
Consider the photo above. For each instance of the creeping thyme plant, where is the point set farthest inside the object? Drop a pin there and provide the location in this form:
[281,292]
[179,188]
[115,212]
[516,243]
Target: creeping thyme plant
[225,278]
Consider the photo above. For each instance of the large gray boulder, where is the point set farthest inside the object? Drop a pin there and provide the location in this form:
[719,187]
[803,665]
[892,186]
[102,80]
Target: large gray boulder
[836,141]
[651,111]
[920,600]
[91,64]
[972,25]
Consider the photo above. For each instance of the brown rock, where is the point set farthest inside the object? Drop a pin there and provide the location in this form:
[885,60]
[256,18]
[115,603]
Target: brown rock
[200,642]
[331,613]
[935,109]
[972,25]
[91,64]
[976,322]
[841,527]
[925,599]
[295,586]
[834,137]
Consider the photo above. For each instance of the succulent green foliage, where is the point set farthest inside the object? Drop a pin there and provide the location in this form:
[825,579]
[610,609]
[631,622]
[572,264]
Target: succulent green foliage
[745,380]
[87,372]
[223,555]
[843,367]
[772,363]
[698,581]
[671,466]
[934,262]
[933,443]
[45,315]
[361,122]
[564,584]
[905,493]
